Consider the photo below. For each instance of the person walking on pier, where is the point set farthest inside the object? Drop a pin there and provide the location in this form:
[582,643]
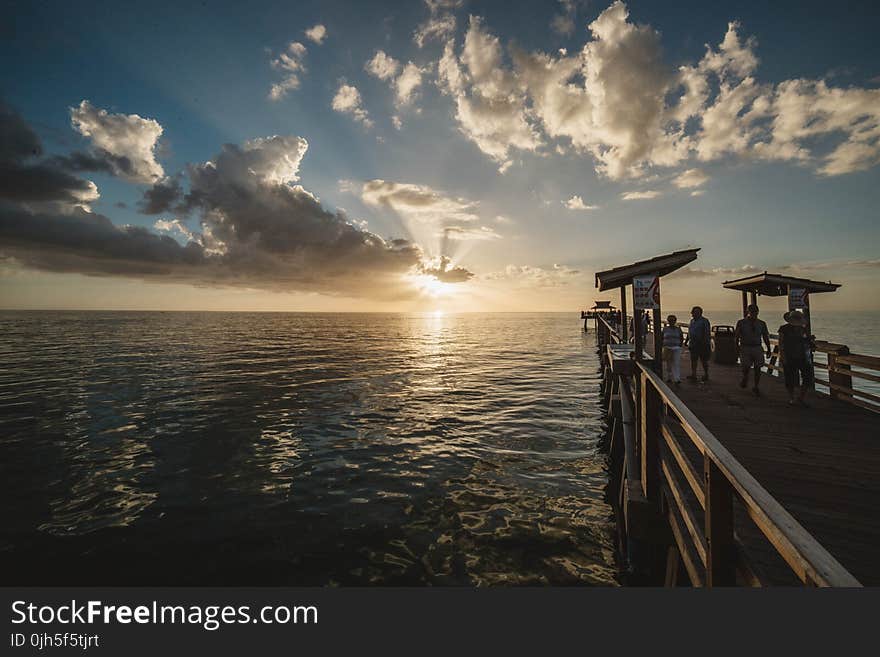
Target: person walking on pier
[699,342]
[795,351]
[749,333]
[673,339]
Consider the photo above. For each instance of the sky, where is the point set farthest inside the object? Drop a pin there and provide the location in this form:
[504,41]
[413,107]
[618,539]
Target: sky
[444,155]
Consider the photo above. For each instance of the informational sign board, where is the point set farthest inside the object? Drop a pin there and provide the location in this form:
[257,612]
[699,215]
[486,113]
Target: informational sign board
[646,292]
[797,298]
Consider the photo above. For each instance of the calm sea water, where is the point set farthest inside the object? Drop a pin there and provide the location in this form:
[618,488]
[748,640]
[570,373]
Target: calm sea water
[214,448]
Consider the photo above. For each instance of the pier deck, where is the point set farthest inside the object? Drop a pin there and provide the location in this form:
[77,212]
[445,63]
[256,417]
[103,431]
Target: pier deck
[822,464]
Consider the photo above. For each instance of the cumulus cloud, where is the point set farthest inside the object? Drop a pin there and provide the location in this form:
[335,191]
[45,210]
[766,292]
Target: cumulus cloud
[404,84]
[690,179]
[407,83]
[440,23]
[620,102]
[316,34]
[382,66]
[124,144]
[490,106]
[348,101]
[577,203]
[257,228]
[640,196]
[291,63]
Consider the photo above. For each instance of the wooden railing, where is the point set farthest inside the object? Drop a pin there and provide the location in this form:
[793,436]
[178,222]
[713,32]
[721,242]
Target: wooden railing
[710,550]
[841,366]
[670,438]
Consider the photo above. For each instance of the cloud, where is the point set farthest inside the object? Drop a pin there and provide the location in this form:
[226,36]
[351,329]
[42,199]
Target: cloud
[292,66]
[529,276]
[640,196]
[440,23]
[577,203]
[174,226]
[124,143]
[316,34]
[716,272]
[470,233]
[690,179]
[563,22]
[25,180]
[490,105]
[382,66]
[406,84]
[386,68]
[446,274]
[419,203]
[257,228]
[348,101]
[161,197]
[618,101]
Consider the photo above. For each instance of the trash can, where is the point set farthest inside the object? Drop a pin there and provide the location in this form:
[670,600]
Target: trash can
[725,345]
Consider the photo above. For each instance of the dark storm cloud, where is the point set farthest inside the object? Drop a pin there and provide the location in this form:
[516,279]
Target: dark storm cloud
[164,196]
[25,180]
[257,228]
[96,160]
[17,140]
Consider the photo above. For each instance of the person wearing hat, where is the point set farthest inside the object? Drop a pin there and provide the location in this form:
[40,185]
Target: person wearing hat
[795,351]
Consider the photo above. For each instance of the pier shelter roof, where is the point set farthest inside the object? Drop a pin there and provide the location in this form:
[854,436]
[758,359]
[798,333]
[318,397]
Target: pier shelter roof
[661,265]
[777,285]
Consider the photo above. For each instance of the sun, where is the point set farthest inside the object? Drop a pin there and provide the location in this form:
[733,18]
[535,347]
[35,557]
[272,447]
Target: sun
[431,287]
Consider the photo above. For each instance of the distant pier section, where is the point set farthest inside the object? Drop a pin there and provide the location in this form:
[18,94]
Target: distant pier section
[716,487]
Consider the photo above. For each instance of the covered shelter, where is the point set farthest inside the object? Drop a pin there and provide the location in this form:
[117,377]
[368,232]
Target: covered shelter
[621,277]
[798,290]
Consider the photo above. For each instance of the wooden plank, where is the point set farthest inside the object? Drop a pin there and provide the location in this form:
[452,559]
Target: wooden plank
[684,464]
[649,421]
[720,550]
[684,511]
[687,557]
[869,362]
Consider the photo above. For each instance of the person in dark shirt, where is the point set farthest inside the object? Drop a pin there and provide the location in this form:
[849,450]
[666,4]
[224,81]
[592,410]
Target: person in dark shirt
[749,333]
[699,342]
[795,354]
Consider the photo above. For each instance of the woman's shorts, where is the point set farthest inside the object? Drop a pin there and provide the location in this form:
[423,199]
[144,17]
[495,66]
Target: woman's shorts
[797,368]
[749,356]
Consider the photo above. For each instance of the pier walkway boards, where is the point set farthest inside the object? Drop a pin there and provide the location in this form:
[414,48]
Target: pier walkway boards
[822,464]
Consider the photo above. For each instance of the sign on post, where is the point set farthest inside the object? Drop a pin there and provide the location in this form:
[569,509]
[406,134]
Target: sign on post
[646,292]
[797,298]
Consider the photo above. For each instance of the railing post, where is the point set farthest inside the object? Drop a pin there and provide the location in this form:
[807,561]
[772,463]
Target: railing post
[720,549]
[837,374]
[649,428]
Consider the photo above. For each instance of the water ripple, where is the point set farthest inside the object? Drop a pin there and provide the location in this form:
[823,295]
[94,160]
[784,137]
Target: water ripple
[209,448]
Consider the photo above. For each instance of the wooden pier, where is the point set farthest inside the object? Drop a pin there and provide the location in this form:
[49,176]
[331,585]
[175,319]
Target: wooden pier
[717,487]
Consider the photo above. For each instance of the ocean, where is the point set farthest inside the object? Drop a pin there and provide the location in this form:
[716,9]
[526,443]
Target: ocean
[302,449]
